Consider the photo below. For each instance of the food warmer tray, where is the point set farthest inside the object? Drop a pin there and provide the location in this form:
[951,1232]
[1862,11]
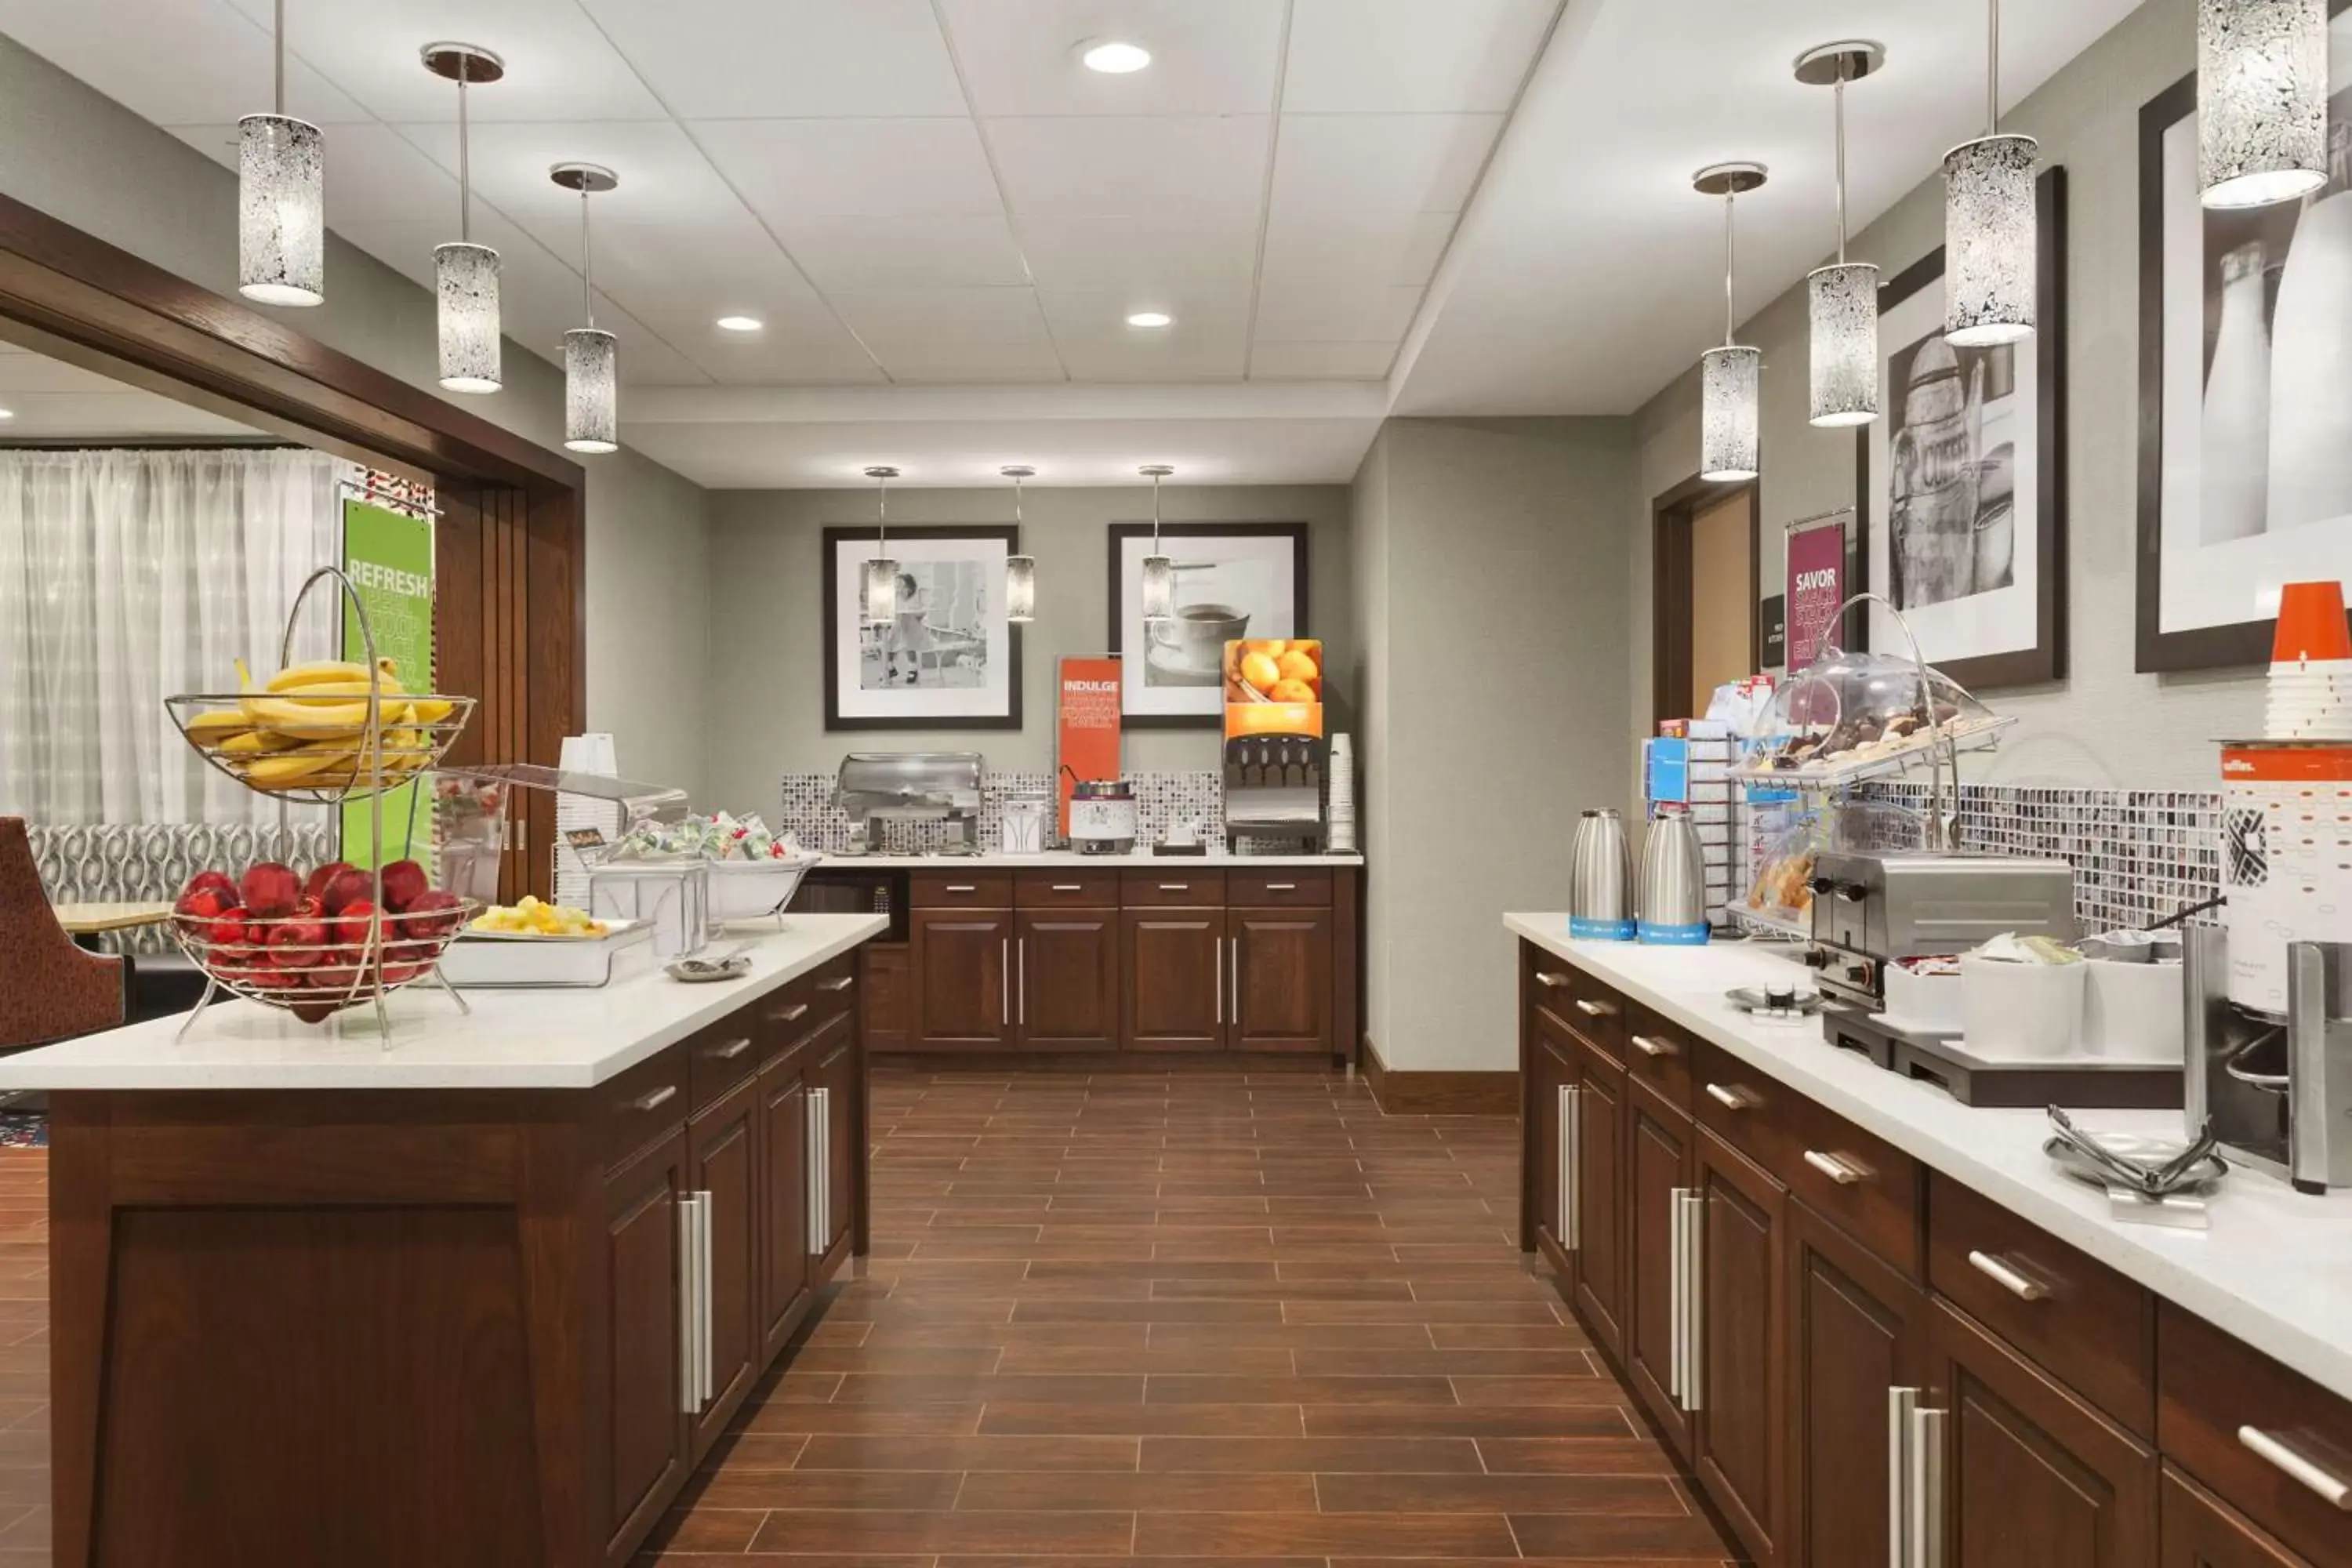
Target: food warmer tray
[2087,1082]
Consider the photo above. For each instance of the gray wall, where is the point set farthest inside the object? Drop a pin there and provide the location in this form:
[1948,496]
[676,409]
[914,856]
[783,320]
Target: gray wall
[87,161]
[2104,725]
[767,626]
[1496,552]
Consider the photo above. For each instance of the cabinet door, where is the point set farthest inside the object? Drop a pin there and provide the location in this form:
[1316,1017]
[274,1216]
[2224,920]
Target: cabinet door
[1739,1372]
[1174,968]
[1546,1143]
[2203,1532]
[1279,980]
[1658,1175]
[1599,1187]
[1857,1329]
[886,970]
[1065,987]
[722,1150]
[2031,1474]
[644,1426]
[963,982]
[838,1067]
[783,1200]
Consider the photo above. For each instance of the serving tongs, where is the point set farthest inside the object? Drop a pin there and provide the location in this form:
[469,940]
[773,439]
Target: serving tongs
[2086,1156]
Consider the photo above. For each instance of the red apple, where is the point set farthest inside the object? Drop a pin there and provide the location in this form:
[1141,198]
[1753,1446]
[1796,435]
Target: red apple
[339,973]
[346,886]
[404,883]
[270,889]
[435,912]
[314,886]
[220,882]
[351,924]
[200,907]
[297,943]
[316,1012]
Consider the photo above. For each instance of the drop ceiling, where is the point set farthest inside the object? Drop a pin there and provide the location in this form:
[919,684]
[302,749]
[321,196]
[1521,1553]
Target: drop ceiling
[943,219]
[50,403]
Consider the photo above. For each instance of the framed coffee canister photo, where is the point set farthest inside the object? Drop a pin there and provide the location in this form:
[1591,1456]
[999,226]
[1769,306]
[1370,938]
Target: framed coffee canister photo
[1963,476]
[947,658]
[1234,581]
[2245,425]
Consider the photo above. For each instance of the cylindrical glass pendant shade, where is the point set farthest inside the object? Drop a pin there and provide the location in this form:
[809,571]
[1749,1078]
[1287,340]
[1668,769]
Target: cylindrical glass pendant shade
[1990,241]
[281,210]
[1844,301]
[469,276]
[1159,588]
[1020,587]
[591,417]
[2262,100]
[881,589]
[1729,380]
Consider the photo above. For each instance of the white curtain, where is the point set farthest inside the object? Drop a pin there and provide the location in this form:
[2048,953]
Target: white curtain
[128,576]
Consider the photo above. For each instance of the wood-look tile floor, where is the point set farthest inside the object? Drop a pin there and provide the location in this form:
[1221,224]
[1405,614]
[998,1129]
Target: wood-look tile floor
[1229,1320]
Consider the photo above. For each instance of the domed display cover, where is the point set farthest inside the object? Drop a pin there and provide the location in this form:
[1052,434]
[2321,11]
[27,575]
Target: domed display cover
[1851,715]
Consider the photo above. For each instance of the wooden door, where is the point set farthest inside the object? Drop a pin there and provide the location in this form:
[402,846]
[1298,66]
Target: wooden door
[1856,1329]
[2201,1530]
[1658,1173]
[1173,964]
[837,1066]
[783,1199]
[1599,1189]
[1066,980]
[2031,1474]
[963,979]
[1279,980]
[1741,1373]
[889,1003]
[645,1429]
[723,1165]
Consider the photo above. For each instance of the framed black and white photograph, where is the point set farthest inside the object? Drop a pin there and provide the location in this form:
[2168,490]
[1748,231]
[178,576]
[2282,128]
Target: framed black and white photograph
[1233,580]
[949,658]
[1963,478]
[2245,471]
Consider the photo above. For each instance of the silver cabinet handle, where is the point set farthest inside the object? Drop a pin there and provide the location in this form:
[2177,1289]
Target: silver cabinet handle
[690,1305]
[1282,886]
[1926,1509]
[1238,982]
[837,987]
[1553,981]
[1650,1045]
[1677,1287]
[1730,1099]
[1694,1297]
[2334,1488]
[1021,967]
[1175,887]
[655,1099]
[1592,1010]
[2014,1280]
[1070,887]
[786,1014]
[1571,1167]
[820,1171]
[962,888]
[707,1245]
[1219,965]
[731,1050]
[1900,1405]
[1004,980]
[1845,1172]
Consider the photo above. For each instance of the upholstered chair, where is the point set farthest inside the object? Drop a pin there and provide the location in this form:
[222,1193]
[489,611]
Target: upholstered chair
[49,989]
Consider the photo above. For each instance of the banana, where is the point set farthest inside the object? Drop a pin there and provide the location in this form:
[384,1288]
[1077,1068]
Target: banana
[287,769]
[218,726]
[256,744]
[295,675]
[430,710]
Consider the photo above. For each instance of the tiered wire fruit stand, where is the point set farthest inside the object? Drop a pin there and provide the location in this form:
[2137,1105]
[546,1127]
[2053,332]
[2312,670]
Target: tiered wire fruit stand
[323,749]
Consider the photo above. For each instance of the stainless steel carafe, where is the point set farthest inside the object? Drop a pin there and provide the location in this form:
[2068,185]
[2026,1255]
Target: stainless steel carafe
[1673,883]
[1600,880]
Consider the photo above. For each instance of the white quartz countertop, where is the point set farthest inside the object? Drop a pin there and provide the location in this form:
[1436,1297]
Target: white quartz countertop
[2275,1269]
[537,1038]
[1146,861]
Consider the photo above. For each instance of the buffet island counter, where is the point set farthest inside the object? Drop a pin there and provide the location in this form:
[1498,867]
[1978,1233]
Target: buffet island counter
[487,1295]
[1817,1274]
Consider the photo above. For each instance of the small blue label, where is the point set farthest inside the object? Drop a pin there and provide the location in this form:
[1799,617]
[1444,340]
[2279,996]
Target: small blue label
[1584,929]
[1666,764]
[1658,934]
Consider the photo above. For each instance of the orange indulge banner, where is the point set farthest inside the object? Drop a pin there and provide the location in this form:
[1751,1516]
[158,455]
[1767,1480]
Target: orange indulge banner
[1274,687]
[1088,704]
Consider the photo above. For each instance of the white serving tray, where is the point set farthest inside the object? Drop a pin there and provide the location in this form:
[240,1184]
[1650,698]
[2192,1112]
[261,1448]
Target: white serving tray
[489,960]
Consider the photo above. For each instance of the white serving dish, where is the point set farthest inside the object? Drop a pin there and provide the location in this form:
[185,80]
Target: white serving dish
[1925,1002]
[483,960]
[2132,1012]
[2021,1012]
[752,889]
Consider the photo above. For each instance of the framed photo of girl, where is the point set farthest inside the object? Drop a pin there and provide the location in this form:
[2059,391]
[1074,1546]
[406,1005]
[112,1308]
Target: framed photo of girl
[950,658]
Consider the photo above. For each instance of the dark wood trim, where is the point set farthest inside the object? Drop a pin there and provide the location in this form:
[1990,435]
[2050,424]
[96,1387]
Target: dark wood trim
[829,587]
[1439,1093]
[1296,533]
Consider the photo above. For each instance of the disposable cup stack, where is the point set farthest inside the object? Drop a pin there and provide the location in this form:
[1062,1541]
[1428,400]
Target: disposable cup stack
[2310,694]
[1343,795]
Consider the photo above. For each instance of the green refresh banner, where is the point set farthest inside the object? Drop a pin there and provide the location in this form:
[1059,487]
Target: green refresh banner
[388,556]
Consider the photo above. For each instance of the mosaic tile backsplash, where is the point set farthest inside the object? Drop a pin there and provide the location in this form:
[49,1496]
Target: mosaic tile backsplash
[1161,799]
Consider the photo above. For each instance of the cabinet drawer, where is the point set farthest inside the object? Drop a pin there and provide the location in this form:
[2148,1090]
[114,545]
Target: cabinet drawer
[1659,1054]
[831,988]
[787,1015]
[973,889]
[724,1055]
[2090,1327]
[1301,888]
[1172,888]
[1550,981]
[1065,888]
[2269,1442]
[643,1104]
[1747,1109]
[1857,1179]
[1596,1011]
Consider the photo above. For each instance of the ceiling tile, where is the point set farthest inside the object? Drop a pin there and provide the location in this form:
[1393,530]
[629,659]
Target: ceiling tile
[1345,164]
[950,363]
[374,173]
[1192,166]
[904,252]
[790,169]
[140,53]
[1140,250]
[1221,357]
[761,59]
[1410,56]
[680,278]
[1372,247]
[813,357]
[901,317]
[113,415]
[1332,311]
[664,176]
[1207,341]
[1208,57]
[1320,361]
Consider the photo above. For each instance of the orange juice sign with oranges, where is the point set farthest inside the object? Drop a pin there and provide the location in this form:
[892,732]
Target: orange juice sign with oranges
[1274,687]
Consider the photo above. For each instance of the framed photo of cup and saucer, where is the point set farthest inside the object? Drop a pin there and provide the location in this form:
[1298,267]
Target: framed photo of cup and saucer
[1233,580]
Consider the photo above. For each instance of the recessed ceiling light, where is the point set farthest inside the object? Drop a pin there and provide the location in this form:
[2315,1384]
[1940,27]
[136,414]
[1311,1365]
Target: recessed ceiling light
[739,324]
[1150,318]
[7,414]
[1113,58]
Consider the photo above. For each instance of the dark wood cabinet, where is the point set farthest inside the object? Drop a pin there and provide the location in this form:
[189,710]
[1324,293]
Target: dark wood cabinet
[1066,979]
[783,1199]
[1658,1177]
[837,1063]
[1550,1069]
[1741,1373]
[886,969]
[1173,962]
[644,1428]
[2199,1531]
[723,1170]
[1598,1186]
[1279,980]
[963,980]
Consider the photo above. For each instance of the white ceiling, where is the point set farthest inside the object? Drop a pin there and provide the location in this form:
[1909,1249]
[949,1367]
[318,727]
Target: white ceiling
[943,219]
[49,401]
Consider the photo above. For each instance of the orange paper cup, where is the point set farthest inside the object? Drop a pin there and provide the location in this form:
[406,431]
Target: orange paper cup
[2311,624]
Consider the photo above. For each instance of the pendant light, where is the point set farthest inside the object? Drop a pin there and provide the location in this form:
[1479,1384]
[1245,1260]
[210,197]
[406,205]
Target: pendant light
[2262,100]
[1989,239]
[592,418]
[1020,570]
[467,273]
[1730,376]
[1842,297]
[1158,572]
[281,200]
[880,574]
